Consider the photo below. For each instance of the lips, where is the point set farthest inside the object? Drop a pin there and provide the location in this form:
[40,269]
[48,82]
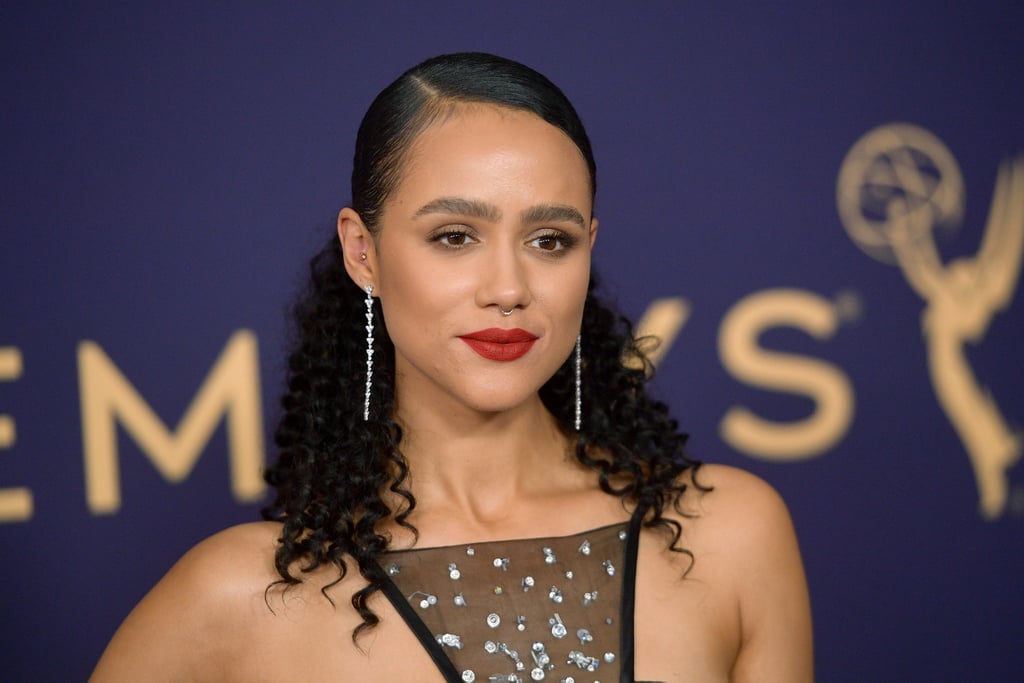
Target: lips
[500,345]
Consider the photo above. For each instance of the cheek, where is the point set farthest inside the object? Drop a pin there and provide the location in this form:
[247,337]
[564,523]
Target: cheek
[566,290]
[431,285]
[416,296]
[563,299]
[405,305]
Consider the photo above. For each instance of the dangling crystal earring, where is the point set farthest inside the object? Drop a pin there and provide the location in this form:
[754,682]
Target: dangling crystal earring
[369,352]
[579,402]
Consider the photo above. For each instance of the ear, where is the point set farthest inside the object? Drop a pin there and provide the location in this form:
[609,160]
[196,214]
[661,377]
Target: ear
[593,232]
[358,249]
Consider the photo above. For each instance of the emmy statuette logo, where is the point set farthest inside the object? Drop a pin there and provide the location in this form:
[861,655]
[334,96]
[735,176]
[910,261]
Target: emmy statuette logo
[898,185]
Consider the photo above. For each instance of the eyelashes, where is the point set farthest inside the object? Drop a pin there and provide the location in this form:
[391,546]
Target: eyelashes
[452,238]
[550,242]
[555,242]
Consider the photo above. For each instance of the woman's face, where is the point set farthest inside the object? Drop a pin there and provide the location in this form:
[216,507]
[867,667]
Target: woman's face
[492,212]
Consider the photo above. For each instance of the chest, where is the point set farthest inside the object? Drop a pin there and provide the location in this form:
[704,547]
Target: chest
[669,646]
[527,609]
[684,628]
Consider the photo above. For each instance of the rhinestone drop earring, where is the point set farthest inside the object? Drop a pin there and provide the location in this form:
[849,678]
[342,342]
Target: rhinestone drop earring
[579,401]
[369,350]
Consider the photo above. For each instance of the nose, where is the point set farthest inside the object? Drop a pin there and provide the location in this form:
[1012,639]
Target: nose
[503,281]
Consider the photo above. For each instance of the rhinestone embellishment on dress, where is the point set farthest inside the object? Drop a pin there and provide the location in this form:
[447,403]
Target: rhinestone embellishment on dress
[520,610]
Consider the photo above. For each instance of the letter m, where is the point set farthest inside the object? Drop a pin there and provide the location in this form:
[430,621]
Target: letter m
[107,398]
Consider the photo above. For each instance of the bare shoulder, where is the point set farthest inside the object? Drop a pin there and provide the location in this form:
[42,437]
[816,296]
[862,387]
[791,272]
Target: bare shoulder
[187,619]
[245,551]
[739,522]
[745,529]
[224,567]
[736,500]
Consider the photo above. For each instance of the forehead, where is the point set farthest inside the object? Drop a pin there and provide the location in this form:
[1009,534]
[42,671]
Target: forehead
[493,152]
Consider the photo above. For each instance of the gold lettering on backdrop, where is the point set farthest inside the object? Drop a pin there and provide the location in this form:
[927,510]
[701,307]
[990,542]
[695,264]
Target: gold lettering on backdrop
[662,320]
[897,184]
[748,362]
[16,504]
[107,398]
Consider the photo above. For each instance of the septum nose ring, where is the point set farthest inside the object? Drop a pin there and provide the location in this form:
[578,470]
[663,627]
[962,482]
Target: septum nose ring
[504,312]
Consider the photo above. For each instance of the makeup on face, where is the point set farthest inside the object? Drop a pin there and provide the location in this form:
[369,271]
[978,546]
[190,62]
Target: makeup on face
[499,344]
[492,214]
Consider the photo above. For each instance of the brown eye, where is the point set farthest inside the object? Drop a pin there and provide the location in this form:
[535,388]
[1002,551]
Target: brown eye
[454,239]
[553,243]
[547,243]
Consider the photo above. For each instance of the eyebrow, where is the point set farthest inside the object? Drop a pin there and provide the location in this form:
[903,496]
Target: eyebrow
[553,213]
[544,213]
[462,207]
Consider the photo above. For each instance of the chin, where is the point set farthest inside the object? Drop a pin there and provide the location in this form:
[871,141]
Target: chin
[496,402]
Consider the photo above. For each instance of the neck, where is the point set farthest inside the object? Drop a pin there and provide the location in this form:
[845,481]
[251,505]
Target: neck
[483,469]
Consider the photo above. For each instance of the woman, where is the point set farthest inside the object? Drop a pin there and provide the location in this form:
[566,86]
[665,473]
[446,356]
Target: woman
[473,485]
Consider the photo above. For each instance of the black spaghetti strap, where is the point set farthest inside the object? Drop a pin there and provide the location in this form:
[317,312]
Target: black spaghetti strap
[629,595]
[420,629]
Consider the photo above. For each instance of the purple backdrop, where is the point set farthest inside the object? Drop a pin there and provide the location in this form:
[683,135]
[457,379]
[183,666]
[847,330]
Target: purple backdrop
[168,169]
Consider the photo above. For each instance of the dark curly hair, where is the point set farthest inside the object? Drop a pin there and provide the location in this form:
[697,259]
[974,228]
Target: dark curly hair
[333,467]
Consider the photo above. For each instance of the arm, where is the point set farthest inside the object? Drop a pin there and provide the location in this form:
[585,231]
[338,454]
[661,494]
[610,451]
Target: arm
[1002,246]
[182,629]
[775,615]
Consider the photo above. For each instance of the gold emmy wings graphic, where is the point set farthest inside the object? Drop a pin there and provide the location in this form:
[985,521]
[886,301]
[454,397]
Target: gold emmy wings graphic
[897,185]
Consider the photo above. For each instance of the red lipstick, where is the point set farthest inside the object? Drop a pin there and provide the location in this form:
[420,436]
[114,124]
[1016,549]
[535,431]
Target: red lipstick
[498,344]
